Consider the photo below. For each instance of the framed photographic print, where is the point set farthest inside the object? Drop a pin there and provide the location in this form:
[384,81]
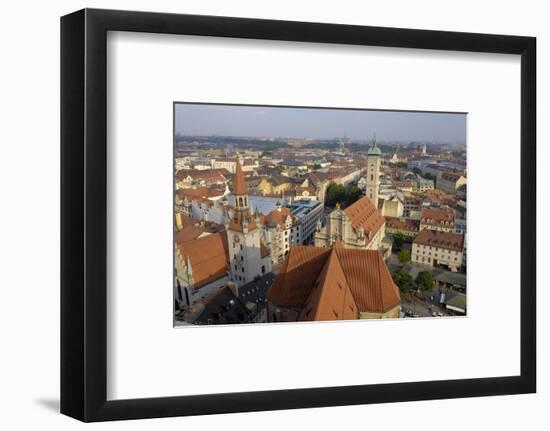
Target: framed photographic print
[262,215]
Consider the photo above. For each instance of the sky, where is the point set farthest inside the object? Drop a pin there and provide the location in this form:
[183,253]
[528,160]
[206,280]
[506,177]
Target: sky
[316,123]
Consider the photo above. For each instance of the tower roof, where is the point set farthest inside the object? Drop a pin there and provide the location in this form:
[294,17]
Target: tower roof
[373,149]
[239,184]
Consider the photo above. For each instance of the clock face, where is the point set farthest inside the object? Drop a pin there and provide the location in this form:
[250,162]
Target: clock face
[236,238]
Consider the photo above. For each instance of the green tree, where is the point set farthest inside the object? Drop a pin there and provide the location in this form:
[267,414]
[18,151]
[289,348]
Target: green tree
[352,194]
[404,256]
[398,239]
[403,280]
[424,281]
[335,194]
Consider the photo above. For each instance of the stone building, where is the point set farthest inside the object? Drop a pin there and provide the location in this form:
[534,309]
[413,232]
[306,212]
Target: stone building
[249,256]
[436,248]
[449,182]
[281,231]
[437,219]
[361,226]
[201,268]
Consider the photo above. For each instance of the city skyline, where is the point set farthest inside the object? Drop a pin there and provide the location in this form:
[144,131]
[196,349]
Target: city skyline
[318,123]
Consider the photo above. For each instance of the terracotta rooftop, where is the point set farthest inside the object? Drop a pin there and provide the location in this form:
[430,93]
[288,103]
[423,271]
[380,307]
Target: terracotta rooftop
[403,224]
[209,257]
[437,195]
[364,213]
[435,238]
[203,174]
[239,184]
[402,184]
[276,217]
[437,217]
[188,233]
[198,193]
[349,280]
[331,297]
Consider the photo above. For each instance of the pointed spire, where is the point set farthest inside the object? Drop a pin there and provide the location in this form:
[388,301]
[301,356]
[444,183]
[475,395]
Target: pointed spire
[373,149]
[239,184]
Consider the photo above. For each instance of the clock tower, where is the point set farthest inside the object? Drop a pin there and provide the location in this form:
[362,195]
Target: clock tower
[248,256]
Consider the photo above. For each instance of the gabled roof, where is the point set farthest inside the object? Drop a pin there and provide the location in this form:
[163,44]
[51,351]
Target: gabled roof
[276,217]
[363,272]
[189,233]
[402,224]
[209,257]
[331,297]
[364,213]
[199,192]
[435,238]
[437,216]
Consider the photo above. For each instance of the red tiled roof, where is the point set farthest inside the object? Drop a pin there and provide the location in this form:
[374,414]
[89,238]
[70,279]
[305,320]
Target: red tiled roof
[437,216]
[188,233]
[276,217]
[203,174]
[364,213]
[403,224]
[198,193]
[331,297]
[364,272]
[209,257]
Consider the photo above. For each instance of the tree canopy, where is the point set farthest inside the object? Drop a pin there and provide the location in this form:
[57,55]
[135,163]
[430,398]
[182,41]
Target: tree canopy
[424,280]
[403,280]
[398,239]
[338,194]
[404,256]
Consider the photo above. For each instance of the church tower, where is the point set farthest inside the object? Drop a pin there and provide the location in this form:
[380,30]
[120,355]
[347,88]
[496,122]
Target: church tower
[248,257]
[373,172]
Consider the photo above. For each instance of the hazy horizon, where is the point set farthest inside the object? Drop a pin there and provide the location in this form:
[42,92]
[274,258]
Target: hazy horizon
[318,123]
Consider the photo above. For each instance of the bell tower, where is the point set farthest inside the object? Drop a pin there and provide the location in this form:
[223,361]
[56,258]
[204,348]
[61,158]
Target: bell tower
[244,237]
[373,172]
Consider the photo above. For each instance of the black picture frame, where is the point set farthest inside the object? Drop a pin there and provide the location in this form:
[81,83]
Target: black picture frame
[84,214]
